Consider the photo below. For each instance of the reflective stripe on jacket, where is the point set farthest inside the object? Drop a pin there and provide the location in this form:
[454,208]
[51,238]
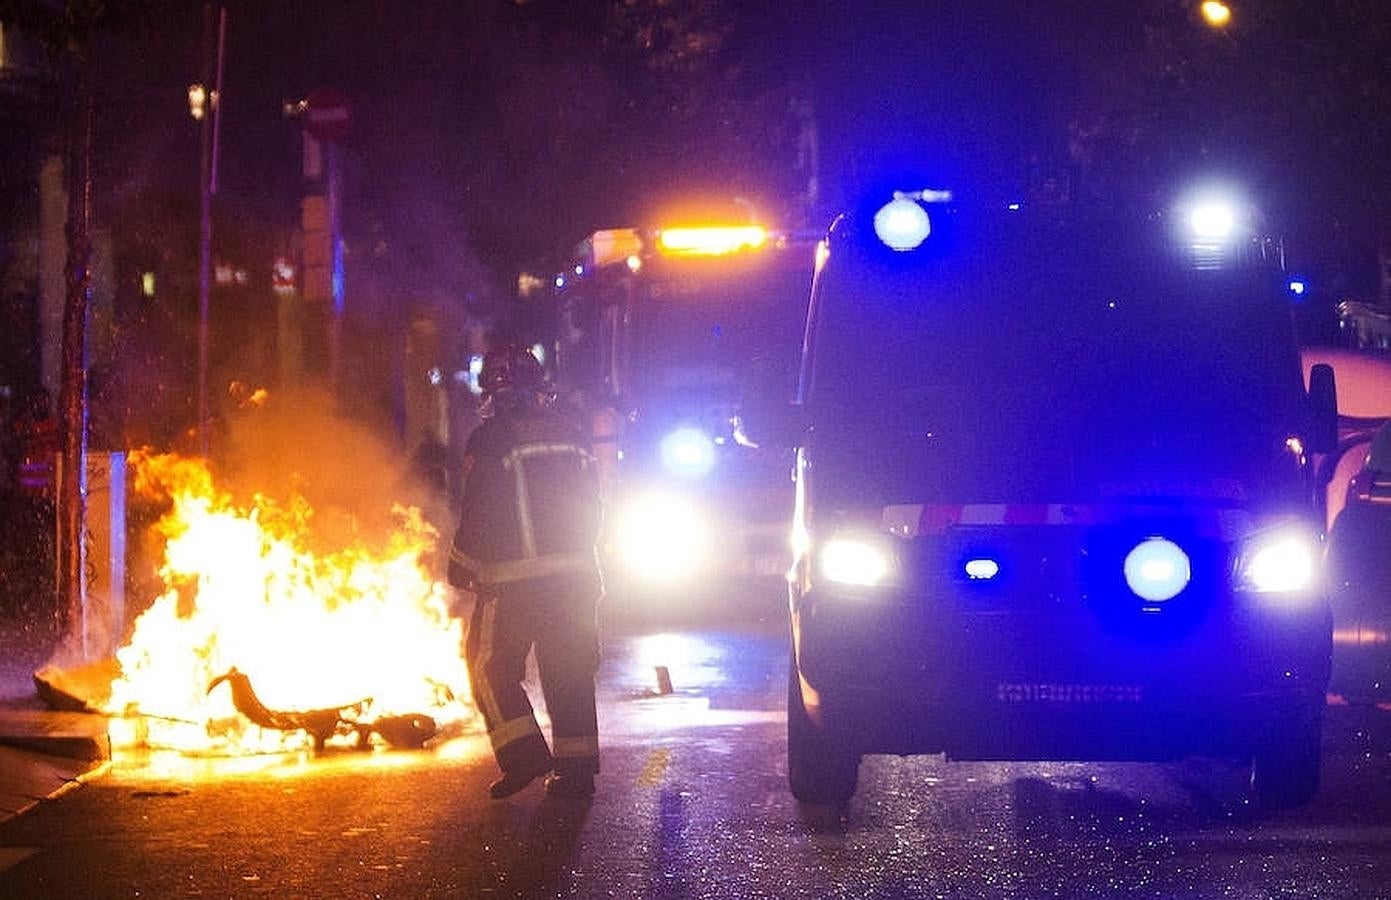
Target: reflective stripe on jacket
[530,505]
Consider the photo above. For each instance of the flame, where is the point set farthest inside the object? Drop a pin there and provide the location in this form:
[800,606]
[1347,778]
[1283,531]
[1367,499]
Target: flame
[362,629]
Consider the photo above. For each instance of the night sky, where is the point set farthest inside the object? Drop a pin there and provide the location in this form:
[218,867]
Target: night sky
[490,137]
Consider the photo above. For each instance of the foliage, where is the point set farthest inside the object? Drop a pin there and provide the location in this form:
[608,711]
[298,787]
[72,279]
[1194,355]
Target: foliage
[72,25]
[1293,95]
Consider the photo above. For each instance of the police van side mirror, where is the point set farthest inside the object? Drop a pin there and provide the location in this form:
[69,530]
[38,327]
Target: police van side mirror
[1323,409]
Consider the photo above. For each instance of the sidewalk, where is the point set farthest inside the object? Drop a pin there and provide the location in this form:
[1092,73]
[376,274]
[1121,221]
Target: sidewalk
[43,753]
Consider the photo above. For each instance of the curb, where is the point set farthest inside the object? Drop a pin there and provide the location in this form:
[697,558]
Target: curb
[67,735]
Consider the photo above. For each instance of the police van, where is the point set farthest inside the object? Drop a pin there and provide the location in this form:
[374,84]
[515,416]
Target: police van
[1054,497]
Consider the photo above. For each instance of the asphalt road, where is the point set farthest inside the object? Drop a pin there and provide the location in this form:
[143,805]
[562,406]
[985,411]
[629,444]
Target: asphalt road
[692,803]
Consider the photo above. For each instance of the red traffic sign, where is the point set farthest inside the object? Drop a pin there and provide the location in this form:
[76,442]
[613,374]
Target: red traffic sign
[327,114]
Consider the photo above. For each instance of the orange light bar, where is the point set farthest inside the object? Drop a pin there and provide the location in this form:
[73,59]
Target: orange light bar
[712,240]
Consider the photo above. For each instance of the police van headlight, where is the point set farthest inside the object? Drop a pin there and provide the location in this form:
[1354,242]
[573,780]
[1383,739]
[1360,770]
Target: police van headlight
[661,537]
[856,560]
[1283,560]
[688,452]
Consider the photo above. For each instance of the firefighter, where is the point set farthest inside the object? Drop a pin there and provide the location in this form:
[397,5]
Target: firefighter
[526,549]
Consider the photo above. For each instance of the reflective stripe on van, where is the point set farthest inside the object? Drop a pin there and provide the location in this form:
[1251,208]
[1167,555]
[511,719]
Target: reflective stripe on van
[914,519]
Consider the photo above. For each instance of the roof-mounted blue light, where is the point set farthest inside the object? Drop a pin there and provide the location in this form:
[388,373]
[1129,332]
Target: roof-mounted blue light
[902,223]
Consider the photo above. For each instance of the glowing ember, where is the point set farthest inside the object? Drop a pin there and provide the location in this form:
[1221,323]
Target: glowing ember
[363,630]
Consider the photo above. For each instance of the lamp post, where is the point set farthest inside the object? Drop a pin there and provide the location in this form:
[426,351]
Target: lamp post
[205,108]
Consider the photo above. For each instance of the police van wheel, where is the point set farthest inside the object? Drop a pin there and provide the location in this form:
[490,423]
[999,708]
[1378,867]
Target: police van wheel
[1285,771]
[821,769]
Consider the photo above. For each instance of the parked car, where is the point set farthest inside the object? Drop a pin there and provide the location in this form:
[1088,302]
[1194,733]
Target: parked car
[1359,571]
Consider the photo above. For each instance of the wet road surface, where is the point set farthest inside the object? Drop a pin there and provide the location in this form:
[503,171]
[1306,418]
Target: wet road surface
[693,803]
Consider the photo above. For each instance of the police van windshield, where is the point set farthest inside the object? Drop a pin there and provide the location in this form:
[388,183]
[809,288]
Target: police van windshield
[1049,371]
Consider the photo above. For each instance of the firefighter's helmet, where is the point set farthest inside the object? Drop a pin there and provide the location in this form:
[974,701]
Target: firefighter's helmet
[510,368]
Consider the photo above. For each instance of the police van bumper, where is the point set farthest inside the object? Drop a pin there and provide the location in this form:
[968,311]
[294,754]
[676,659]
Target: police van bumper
[893,677]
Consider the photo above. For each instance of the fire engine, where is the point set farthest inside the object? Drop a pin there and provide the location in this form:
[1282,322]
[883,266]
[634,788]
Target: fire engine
[664,329]
[1054,497]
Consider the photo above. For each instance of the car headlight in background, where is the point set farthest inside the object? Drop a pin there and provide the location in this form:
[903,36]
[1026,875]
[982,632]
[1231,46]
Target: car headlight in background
[1213,220]
[1157,569]
[1282,560]
[1214,223]
[688,452]
[661,537]
[854,560]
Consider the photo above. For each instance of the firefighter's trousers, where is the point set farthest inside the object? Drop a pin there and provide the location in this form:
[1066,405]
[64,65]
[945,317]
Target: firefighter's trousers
[559,617]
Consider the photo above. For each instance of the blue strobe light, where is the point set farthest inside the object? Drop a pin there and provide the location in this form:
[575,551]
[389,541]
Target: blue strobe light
[902,224]
[1157,569]
[688,452]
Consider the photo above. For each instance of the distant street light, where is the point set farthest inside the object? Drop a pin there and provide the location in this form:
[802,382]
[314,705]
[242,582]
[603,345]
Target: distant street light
[197,101]
[1216,13]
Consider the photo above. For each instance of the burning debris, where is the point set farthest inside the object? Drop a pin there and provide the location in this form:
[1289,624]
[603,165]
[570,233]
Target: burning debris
[321,724]
[354,645]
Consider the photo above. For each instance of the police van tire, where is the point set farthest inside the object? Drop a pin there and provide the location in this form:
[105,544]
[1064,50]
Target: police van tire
[1285,771]
[821,769]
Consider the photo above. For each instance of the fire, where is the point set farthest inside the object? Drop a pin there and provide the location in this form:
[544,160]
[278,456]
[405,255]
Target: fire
[364,630]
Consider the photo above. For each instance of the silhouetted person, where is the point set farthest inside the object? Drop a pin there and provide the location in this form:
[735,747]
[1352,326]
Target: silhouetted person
[525,547]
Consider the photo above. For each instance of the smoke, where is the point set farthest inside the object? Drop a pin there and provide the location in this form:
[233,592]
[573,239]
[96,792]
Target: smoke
[291,445]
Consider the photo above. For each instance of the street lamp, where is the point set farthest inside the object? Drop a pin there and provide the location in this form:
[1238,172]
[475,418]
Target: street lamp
[197,101]
[1216,13]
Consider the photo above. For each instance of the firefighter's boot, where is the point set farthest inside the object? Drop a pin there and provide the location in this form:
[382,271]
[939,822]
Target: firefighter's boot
[514,781]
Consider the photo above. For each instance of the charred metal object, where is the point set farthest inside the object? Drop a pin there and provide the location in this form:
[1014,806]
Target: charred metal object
[402,731]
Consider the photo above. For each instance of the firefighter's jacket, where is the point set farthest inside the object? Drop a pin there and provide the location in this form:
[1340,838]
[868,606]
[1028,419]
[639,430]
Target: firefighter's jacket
[530,506]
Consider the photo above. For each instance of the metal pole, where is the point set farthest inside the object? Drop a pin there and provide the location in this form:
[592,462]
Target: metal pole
[72,499]
[217,100]
[205,235]
[209,132]
[333,199]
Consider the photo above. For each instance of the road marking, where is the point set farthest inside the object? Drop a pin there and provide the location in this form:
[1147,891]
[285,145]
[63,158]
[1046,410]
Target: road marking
[12,856]
[656,768]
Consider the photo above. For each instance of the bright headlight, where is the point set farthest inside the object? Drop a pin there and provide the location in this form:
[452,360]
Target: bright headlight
[1212,220]
[688,451]
[855,560]
[661,537]
[1280,561]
